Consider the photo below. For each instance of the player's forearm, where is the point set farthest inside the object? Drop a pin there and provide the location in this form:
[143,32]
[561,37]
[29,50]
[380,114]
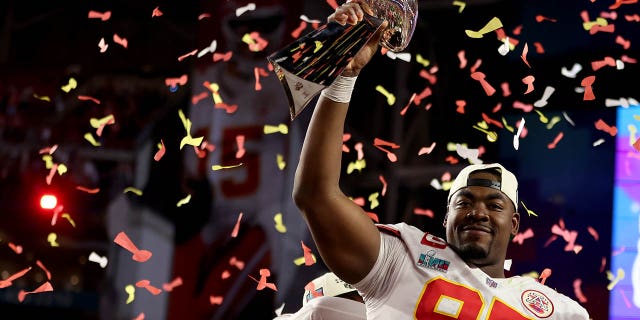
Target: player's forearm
[318,171]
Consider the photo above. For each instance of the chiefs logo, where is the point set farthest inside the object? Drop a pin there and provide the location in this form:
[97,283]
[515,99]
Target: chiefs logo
[537,303]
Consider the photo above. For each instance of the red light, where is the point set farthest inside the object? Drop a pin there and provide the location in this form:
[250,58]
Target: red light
[48,201]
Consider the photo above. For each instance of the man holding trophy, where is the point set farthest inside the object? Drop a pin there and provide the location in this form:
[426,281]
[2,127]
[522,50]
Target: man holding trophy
[400,271]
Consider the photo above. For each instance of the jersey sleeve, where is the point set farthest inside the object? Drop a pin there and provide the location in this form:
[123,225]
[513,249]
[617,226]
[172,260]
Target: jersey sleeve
[376,284]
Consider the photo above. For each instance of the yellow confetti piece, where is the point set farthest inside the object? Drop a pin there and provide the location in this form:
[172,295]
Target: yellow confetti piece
[555,120]
[318,46]
[543,118]
[131,291]
[184,201]
[97,123]
[133,190]
[356,165]
[68,217]
[48,161]
[89,137]
[492,25]
[51,238]
[636,117]
[71,85]
[506,125]
[281,128]
[452,146]
[62,169]
[280,227]
[529,212]
[460,4]
[43,98]
[492,136]
[632,134]
[616,279]
[217,99]
[300,261]
[188,140]
[424,62]
[281,163]
[217,167]
[391,99]
[599,21]
[248,39]
[373,199]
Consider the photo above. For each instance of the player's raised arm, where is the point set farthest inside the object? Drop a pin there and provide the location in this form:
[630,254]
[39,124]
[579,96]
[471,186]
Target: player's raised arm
[347,239]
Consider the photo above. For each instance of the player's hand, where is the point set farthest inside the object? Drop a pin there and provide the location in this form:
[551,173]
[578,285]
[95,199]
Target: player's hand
[352,12]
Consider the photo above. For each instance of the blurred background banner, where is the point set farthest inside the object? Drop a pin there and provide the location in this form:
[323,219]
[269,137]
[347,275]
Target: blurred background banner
[163,134]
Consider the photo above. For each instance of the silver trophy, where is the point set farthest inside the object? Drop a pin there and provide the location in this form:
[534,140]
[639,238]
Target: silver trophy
[313,61]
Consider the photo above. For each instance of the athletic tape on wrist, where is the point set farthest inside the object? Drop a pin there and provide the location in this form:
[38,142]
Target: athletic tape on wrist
[340,90]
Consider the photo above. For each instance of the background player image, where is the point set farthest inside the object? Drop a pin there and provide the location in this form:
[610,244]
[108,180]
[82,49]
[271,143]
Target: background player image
[401,271]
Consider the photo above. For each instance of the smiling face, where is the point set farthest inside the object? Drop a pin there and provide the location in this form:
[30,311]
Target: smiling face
[480,222]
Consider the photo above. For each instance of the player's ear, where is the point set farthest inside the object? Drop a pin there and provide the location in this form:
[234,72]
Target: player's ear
[515,223]
[446,217]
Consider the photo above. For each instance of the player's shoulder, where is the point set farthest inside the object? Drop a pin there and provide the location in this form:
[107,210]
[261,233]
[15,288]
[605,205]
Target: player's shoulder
[534,293]
[412,234]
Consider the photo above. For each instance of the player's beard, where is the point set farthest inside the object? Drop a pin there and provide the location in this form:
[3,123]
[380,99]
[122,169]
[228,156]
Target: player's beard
[473,252]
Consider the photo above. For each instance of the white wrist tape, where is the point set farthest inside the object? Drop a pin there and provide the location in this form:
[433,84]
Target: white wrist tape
[340,90]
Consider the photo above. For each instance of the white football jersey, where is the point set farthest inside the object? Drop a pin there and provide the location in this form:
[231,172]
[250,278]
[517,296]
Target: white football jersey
[418,276]
[328,308]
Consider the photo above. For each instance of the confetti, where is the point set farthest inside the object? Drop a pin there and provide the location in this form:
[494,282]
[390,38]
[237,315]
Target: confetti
[521,236]
[68,217]
[156,12]
[384,185]
[423,212]
[577,290]
[607,61]
[41,265]
[548,91]
[373,200]
[281,128]
[88,98]
[603,126]
[557,139]
[131,291]
[280,162]
[236,228]
[184,201]
[103,45]
[172,285]
[216,300]
[89,137]
[308,257]
[427,150]
[161,151]
[102,261]
[573,72]
[186,55]
[480,77]
[46,287]
[280,227]
[213,46]
[146,284]
[264,273]
[391,98]
[9,280]
[544,275]
[529,212]
[614,279]
[72,84]
[217,167]
[492,25]
[241,10]
[528,80]
[133,190]
[421,60]
[51,238]
[104,16]
[460,4]
[138,255]
[121,41]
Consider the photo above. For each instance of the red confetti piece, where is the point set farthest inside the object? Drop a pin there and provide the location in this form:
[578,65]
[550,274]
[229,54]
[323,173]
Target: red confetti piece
[156,12]
[544,275]
[623,42]
[172,285]
[44,269]
[451,160]
[404,110]
[384,185]
[184,56]
[16,248]
[216,300]
[522,106]
[593,233]
[236,263]
[425,93]
[308,258]
[46,287]
[488,120]
[378,143]
[618,3]
[138,255]
[229,109]
[610,28]
[373,217]
[607,61]
[223,56]
[85,98]
[173,82]
[99,15]
[121,41]
[87,190]
[359,201]
[429,76]
[259,72]
[632,18]
[9,281]
[557,139]
[146,284]
[460,106]
[264,273]
[577,283]
[497,108]
[423,212]
[528,80]
[480,77]
[236,228]
[587,83]
[311,287]
[475,66]
[603,126]
[160,153]
[540,18]
[199,97]
[539,47]
[296,33]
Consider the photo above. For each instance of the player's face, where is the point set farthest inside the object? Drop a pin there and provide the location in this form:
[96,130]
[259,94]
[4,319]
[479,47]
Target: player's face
[480,222]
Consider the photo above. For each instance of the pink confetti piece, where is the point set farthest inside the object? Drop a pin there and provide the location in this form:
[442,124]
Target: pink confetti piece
[160,153]
[85,98]
[236,228]
[528,80]
[99,15]
[521,236]
[541,18]
[46,287]
[593,233]
[618,3]
[236,263]
[259,72]
[204,16]
[223,56]
[140,316]
[632,18]
[199,97]
[429,75]
[623,42]
[138,255]
[427,150]
[296,33]
[505,89]
[525,51]
[475,66]
[240,142]
[462,58]
[173,82]
[384,185]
